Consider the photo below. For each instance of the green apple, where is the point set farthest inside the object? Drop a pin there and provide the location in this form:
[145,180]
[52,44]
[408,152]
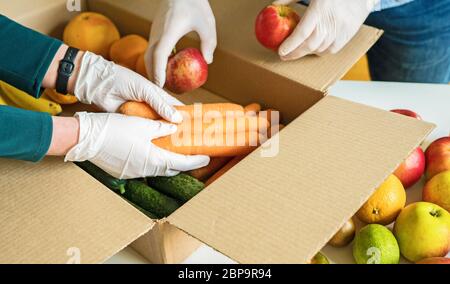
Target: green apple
[423,230]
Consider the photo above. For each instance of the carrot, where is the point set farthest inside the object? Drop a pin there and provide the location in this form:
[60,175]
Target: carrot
[272,115]
[211,146]
[236,160]
[143,110]
[252,109]
[213,133]
[205,173]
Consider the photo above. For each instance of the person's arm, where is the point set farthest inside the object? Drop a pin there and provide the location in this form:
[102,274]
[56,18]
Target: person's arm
[25,56]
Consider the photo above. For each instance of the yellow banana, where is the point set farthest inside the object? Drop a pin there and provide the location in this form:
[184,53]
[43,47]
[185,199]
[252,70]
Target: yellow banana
[23,100]
[2,102]
[59,98]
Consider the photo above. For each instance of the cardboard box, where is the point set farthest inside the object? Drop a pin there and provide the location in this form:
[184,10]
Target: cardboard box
[284,209]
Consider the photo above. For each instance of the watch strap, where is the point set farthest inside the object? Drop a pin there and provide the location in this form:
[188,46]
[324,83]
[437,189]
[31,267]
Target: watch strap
[65,70]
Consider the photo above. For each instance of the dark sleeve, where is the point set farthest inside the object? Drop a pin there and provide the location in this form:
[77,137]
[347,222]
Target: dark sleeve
[25,56]
[25,135]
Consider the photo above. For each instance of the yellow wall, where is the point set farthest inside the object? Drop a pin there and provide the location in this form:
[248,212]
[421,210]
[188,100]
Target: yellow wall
[359,72]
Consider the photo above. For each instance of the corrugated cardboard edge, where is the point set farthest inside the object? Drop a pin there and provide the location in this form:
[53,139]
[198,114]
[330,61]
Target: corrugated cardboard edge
[210,224]
[55,206]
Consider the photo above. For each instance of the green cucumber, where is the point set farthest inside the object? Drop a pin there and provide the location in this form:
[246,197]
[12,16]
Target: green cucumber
[143,211]
[149,199]
[117,185]
[182,187]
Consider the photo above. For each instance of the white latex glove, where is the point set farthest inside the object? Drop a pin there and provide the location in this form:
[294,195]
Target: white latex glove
[174,19]
[121,145]
[326,27]
[108,86]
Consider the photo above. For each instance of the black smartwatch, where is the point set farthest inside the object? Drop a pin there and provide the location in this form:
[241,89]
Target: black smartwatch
[65,70]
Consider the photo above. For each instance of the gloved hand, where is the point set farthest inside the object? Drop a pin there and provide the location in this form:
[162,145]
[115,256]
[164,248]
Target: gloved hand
[108,86]
[326,27]
[174,19]
[121,145]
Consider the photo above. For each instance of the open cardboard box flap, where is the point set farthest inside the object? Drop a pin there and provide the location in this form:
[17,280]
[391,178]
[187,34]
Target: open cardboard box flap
[54,212]
[280,209]
[286,208]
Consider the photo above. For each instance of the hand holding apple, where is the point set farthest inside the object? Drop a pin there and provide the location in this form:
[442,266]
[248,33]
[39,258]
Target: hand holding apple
[187,70]
[274,24]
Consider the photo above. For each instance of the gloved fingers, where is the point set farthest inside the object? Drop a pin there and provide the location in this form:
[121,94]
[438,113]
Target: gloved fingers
[336,47]
[161,129]
[161,52]
[172,100]
[171,173]
[184,163]
[309,46]
[208,39]
[302,32]
[324,47]
[284,2]
[157,98]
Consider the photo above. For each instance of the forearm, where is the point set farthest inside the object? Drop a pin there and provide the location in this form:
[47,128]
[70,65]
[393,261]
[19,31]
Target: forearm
[25,56]
[65,135]
[52,72]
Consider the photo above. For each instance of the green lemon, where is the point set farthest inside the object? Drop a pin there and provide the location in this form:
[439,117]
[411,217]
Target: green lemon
[375,244]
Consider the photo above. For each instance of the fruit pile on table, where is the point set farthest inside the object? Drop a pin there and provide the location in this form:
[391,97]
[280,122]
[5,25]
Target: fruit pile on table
[421,230]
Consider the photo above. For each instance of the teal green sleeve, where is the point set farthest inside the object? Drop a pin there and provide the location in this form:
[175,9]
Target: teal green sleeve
[25,135]
[25,56]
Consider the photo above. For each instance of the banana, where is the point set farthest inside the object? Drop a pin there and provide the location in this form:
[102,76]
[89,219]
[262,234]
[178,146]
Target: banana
[23,100]
[60,98]
[2,102]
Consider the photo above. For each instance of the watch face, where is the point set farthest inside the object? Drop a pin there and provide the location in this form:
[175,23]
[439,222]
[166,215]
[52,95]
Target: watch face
[66,68]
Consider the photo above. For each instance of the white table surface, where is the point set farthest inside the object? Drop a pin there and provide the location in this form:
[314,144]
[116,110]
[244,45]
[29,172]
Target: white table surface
[432,102]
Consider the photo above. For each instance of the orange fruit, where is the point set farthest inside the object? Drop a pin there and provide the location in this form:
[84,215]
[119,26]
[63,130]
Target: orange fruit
[385,204]
[91,32]
[140,66]
[127,50]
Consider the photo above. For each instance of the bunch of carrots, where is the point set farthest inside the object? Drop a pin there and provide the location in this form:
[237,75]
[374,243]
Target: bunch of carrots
[224,131]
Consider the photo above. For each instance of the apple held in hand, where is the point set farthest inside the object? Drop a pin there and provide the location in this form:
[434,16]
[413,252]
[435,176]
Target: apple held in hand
[274,24]
[423,230]
[187,70]
[438,157]
[413,168]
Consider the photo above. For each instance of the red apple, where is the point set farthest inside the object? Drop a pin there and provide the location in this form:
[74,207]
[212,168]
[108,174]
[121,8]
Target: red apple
[438,157]
[274,24]
[435,260]
[187,70]
[413,168]
[407,113]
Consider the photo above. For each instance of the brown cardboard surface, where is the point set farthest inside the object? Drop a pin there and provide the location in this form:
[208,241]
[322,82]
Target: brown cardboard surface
[235,28]
[282,209]
[285,209]
[45,16]
[50,210]
[165,244]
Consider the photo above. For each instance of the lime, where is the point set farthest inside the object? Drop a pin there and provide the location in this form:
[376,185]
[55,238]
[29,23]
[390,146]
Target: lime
[320,259]
[375,244]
